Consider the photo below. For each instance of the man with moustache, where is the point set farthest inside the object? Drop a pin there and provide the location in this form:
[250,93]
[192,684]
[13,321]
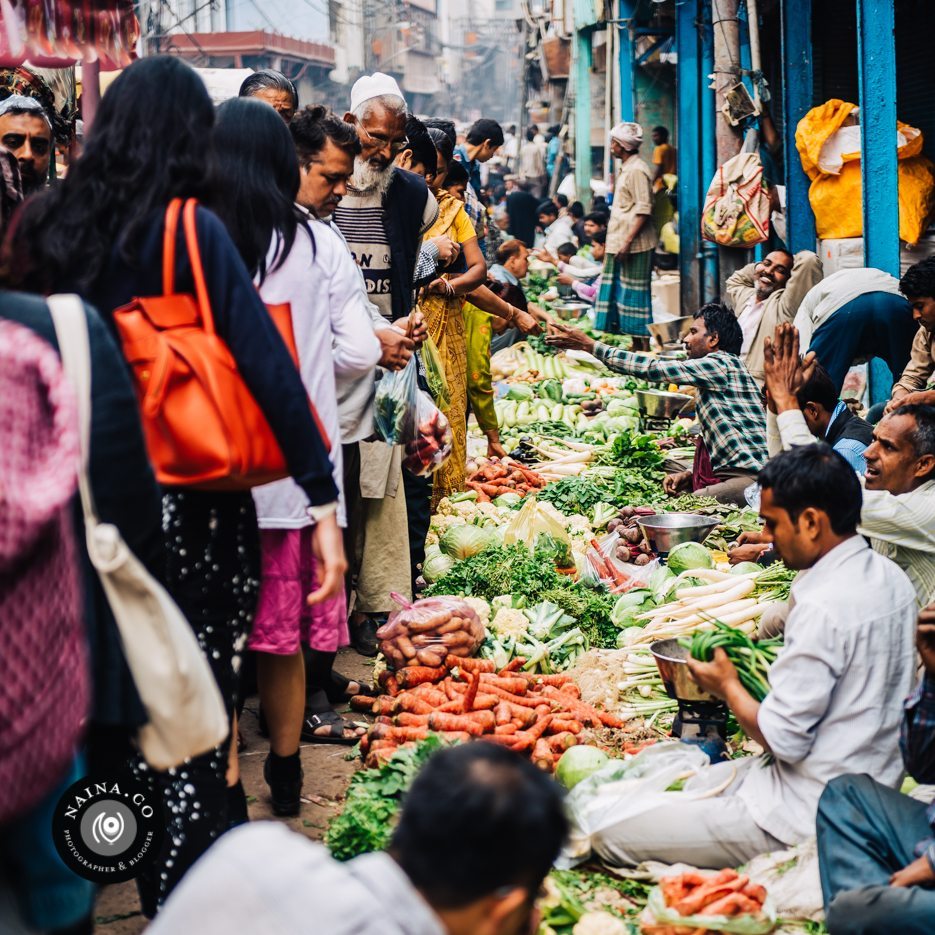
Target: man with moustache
[25,131]
[382,216]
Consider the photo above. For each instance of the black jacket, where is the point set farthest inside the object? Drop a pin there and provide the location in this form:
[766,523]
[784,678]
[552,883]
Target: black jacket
[125,492]
[847,425]
[403,209]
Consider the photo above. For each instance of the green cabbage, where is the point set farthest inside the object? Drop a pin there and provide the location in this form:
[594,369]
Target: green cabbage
[689,555]
[578,763]
[508,499]
[464,541]
[436,564]
[746,568]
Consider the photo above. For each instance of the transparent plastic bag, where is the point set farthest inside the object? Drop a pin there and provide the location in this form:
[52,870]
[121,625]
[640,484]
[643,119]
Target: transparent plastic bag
[601,567]
[657,915]
[426,632]
[395,403]
[532,521]
[435,374]
[428,441]
[404,415]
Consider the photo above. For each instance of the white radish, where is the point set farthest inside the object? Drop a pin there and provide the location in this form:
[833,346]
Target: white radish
[706,574]
[716,588]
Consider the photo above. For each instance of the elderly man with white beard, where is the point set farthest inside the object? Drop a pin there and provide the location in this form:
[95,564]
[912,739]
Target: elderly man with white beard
[383,216]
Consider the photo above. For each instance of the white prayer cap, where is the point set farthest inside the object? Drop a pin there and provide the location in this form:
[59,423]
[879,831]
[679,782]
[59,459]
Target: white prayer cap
[368,87]
[628,135]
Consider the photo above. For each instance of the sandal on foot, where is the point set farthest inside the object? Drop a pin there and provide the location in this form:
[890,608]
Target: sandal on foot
[337,726]
[337,690]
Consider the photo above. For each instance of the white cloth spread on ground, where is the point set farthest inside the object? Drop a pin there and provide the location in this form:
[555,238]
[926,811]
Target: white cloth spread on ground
[263,879]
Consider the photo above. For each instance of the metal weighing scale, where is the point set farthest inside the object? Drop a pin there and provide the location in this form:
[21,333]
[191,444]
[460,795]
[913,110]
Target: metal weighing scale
[658,408]
[701,718]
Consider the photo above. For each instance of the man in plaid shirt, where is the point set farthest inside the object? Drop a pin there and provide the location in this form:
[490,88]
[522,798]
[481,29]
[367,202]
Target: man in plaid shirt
[876,847]
[729,404]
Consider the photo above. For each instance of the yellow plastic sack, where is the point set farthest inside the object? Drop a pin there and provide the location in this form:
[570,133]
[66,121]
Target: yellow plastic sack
[835,192]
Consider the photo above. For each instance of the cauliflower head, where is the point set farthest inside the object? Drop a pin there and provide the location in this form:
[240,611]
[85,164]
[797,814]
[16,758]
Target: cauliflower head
[600,923]
[510,622]
[480,607]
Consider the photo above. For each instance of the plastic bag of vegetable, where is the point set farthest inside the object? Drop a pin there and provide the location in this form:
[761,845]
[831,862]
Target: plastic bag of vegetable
[531,522]
[728,902]
[435,374]
[395,403]
[426,632]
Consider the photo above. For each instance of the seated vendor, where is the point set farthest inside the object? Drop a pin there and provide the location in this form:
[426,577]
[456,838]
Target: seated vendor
[584,290]
[876,847]
[915,384]
[898,515]
[729,406]
[835,691]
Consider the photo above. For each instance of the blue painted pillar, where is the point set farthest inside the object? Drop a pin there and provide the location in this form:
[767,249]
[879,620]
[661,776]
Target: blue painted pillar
[583,114]
[746,63]
[876,62]
[689,153]
[625,57]
[711,286]
[796,102]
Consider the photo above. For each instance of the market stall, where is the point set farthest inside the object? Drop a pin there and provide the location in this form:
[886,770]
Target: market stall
[563,592]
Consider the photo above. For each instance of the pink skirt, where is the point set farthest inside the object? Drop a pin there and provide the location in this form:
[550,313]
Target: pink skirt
[284,619]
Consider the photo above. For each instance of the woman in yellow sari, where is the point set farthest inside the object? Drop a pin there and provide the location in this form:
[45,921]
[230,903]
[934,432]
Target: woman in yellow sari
[442,305]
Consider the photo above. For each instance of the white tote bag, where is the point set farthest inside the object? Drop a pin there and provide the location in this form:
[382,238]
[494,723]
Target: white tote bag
[185,710]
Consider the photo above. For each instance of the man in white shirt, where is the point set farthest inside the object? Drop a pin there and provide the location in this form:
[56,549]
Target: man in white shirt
[556,230]
[898,513]
[447,870]
[836,690]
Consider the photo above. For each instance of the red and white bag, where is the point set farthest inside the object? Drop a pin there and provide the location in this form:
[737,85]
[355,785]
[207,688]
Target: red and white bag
[736,208]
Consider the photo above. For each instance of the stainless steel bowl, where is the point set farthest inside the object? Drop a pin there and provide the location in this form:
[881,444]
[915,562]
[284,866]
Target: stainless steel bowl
[570,311]
[664,531]
[667,332]
[670,660]
[661,405]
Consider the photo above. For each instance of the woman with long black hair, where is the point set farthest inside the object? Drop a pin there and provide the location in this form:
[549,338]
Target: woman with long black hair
[100,234]
[299,261]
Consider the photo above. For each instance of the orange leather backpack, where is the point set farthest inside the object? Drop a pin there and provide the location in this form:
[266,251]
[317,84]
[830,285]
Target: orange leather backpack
[202,426]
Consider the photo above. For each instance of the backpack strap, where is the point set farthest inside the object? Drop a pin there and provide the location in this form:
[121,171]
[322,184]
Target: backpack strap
[168,246]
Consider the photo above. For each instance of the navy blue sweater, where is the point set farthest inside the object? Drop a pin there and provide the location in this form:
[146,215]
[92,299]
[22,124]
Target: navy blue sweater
[244,324]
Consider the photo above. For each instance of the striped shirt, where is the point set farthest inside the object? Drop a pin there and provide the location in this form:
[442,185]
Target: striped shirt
[899,526]
[729,405]
[359,217]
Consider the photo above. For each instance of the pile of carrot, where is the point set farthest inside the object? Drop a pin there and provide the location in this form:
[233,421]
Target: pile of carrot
[727,893]
[499,477]
[540,715]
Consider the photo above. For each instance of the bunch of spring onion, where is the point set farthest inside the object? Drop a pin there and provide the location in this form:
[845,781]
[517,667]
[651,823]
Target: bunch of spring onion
[751,660]
[641,690]
[727,598]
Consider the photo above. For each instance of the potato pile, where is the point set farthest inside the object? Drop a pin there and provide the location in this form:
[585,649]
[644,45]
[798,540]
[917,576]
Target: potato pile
[427,632]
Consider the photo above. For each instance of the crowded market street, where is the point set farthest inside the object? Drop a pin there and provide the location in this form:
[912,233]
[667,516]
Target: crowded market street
[467,472]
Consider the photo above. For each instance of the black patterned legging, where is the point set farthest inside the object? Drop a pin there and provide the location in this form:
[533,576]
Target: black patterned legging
[213,574]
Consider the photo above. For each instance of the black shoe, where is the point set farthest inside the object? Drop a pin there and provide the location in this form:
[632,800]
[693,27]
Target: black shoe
[364,636]
[236,806]
[285,793]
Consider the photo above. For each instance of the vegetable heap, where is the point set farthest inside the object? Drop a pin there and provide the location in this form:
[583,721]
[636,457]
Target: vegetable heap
[538,715]
[751,659]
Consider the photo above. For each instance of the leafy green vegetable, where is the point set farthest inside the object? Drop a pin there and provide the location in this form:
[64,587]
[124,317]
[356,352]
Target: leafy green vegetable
[373,799]
[633,450]
[574,495]
[511,570]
